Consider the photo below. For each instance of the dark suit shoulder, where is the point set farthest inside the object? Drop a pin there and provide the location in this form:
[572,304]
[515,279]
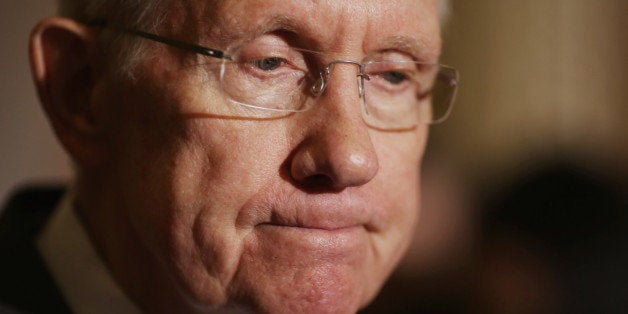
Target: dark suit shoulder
[26,285]
[26,211]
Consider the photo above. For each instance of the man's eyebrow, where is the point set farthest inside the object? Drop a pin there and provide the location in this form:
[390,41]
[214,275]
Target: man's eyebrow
[280,21]
[242,32]
[287,26]
[420,48]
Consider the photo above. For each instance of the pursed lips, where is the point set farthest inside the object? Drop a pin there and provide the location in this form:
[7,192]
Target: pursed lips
[332,212]
[313,242]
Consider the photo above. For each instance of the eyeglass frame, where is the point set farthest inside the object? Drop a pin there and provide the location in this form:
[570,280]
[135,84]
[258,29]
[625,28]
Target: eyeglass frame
[317,89]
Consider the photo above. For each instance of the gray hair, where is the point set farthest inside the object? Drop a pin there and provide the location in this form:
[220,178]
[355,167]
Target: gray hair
[142,14]
[137,11]
[134,13]
[124,51]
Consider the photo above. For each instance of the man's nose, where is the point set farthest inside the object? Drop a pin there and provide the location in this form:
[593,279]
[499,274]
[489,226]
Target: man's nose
[337,150]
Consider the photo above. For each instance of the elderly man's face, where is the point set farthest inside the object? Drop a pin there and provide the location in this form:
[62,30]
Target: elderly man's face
[307,212]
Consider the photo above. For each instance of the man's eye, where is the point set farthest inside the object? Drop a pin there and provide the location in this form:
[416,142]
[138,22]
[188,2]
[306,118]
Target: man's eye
[268,64]
[394,77]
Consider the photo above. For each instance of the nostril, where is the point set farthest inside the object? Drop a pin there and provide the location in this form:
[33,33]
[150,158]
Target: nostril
[317,182]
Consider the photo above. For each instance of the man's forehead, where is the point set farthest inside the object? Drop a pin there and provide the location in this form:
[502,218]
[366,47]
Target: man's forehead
[410,24]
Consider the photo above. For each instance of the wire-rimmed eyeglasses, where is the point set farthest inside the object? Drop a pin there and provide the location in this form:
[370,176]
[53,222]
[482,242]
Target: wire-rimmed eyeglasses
[263,81]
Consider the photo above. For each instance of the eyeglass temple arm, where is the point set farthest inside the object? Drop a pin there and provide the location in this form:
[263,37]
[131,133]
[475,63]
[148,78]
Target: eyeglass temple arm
[168,41]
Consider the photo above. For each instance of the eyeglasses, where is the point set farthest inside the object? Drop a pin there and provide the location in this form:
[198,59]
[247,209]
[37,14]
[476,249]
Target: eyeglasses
[266,81]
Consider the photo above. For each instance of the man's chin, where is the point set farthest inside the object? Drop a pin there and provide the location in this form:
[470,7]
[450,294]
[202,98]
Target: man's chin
[307,272]
[326,292]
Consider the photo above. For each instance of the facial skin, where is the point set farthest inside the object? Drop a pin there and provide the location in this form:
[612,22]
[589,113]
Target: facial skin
[305,213]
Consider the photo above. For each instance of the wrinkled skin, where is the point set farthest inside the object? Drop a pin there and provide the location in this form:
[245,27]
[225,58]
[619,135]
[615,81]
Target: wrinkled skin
[304,213]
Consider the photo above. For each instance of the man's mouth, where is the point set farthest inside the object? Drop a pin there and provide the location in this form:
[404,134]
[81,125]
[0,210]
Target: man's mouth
[318,240]
[321,228]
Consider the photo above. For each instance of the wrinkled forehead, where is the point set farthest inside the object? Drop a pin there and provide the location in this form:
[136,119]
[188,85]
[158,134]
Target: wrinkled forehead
[411,24]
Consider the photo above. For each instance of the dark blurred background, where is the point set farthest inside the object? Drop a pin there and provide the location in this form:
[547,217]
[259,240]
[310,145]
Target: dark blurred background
[524,187]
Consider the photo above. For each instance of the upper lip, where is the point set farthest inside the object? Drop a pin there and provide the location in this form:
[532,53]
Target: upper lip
[331,211]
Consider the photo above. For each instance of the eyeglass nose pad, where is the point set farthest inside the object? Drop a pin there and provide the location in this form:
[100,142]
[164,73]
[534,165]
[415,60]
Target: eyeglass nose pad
[319,86]
[361,78]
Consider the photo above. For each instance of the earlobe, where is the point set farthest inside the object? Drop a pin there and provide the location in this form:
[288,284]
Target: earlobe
[62,62]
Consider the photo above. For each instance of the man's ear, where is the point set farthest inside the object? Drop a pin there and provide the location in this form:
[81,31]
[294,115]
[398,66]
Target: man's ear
[62,57]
